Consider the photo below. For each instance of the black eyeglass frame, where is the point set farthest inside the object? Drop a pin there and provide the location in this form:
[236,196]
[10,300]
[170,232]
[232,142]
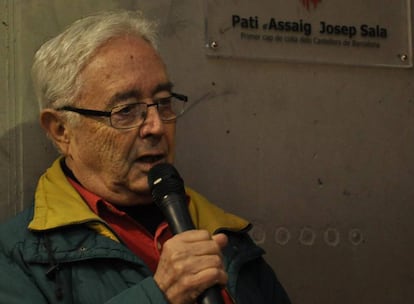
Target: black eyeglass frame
[97,113]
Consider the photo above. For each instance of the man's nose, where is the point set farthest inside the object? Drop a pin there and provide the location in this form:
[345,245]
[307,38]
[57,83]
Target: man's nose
[153,124]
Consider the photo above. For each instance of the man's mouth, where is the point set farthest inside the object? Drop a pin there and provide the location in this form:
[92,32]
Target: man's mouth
[150,159]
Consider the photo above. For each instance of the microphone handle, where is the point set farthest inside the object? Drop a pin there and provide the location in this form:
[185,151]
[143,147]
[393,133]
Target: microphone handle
[211,295]
[175,210]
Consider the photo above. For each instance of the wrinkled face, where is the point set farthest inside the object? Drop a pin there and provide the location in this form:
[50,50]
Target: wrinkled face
[110,162]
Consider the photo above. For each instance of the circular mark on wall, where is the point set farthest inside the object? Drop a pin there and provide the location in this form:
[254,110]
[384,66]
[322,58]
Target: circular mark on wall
[331,237]
[282,236]
[307,236]
[258,233]
[355,236]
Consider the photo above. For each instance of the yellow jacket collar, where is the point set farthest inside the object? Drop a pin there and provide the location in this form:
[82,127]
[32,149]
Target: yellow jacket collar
[207,216]
[58,204]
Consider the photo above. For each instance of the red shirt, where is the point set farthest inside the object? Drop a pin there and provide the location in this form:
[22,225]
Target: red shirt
[133,234]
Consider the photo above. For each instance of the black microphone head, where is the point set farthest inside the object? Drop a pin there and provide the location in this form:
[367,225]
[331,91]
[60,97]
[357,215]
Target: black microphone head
[164,179]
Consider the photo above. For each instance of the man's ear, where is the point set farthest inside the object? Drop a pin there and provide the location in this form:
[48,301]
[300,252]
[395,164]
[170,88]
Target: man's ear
[56,128]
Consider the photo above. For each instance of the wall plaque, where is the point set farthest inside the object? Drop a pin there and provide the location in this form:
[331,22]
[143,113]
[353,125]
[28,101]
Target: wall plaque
[352,32]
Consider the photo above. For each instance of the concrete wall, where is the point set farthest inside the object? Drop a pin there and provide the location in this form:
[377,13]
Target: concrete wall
[319,157]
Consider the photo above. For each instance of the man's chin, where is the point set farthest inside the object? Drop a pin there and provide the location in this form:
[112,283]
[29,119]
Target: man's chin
[138,185]
[141,192]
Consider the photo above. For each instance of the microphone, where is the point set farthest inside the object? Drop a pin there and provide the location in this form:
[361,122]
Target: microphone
[168,193]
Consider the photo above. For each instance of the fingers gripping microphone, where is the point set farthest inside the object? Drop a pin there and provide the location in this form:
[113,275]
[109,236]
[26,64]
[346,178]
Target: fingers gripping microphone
[167,188]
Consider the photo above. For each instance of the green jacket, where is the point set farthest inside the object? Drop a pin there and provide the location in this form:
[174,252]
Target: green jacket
[58,251]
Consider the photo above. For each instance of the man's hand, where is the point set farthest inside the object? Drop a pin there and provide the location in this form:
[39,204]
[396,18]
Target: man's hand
[190,262]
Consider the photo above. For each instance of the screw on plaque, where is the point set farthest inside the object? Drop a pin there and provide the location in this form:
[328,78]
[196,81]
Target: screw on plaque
[403,57]
[214,44]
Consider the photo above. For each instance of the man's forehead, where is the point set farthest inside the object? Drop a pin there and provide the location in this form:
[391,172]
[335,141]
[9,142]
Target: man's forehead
[138,94]
[122,69]
[124,42]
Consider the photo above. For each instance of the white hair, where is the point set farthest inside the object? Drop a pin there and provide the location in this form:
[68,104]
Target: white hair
[58,62]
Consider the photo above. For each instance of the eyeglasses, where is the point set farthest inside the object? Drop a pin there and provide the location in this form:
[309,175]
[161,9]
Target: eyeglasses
[132,115]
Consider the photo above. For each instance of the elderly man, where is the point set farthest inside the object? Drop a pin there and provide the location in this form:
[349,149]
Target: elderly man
[93,234]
